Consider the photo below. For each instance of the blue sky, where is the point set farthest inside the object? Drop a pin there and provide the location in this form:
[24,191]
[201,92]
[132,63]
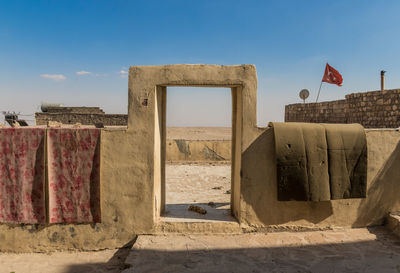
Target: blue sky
[45,44]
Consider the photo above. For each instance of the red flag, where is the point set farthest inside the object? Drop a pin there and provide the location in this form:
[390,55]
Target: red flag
[332,76]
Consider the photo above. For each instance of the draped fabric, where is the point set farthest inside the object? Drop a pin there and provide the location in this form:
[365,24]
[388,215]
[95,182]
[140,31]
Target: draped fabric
[302,162]
[22,175]
[74,175]
[347,151]
[320,162]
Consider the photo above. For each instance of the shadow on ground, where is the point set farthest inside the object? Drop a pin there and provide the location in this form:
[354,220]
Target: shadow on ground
[380,255]
[115,265]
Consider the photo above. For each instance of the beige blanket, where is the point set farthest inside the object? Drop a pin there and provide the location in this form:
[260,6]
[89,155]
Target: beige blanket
[319,162]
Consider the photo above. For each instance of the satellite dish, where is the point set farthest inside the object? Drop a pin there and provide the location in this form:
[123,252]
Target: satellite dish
[304,93]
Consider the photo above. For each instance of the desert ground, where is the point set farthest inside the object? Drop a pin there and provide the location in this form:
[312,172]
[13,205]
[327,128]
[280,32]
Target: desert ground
[206,185]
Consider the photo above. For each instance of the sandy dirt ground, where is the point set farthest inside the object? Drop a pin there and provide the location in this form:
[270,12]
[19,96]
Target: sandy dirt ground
[198,184]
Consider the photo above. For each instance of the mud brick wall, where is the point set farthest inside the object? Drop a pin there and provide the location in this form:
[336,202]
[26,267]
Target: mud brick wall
[374,109]
[322,112]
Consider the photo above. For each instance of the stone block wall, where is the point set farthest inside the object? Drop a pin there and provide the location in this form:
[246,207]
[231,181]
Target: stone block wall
[375,109]
[322,112]
[84,119]
[82,115]
[81,110]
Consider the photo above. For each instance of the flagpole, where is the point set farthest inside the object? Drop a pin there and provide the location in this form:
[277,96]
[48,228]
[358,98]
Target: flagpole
[319,90]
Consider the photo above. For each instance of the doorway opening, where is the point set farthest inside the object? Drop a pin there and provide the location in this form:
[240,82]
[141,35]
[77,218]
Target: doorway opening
[197,154]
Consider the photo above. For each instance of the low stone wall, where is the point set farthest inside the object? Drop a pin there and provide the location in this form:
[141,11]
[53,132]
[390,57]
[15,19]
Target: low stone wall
[82,115]
[82,118]
[322,112]
[375,109]
[180,150]
[81,109]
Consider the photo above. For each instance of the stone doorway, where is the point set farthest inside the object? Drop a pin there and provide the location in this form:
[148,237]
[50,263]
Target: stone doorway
[147,128]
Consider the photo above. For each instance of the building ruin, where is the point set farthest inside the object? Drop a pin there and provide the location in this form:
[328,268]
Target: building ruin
[82,115]
[133,172]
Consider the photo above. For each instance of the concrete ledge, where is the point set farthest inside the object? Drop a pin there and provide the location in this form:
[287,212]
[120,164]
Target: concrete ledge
[393,223]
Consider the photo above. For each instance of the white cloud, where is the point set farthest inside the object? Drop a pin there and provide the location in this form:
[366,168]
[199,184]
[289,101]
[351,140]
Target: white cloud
[123,73]
[55,77]
[83,72]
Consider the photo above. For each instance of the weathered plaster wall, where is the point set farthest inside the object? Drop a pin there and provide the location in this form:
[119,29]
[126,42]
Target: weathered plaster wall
[393,223]
[123,212]
[259,188]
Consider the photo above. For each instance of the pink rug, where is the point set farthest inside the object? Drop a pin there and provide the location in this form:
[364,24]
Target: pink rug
[22,198]
[74,175]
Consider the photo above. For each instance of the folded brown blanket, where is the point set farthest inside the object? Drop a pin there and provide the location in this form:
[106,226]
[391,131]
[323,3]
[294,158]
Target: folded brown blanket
[319,162]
